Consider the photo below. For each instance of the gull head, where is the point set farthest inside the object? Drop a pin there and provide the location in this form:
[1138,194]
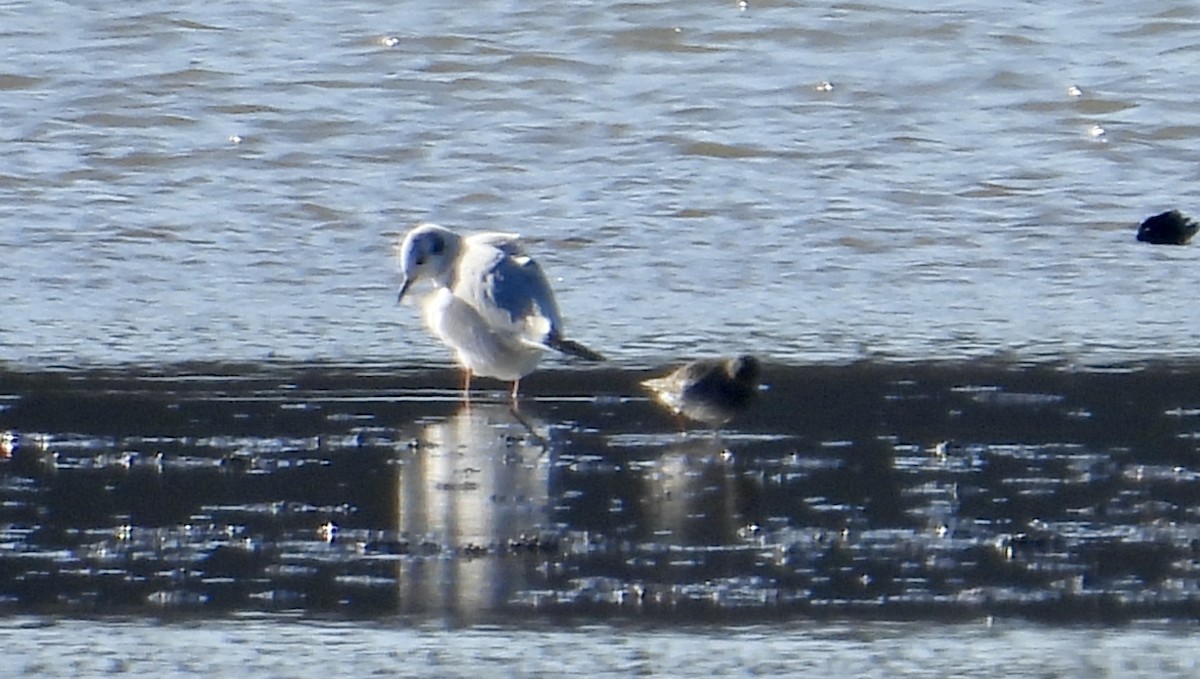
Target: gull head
[427,251]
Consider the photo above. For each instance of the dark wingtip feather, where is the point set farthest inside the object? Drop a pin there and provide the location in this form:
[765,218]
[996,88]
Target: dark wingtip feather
[575,349]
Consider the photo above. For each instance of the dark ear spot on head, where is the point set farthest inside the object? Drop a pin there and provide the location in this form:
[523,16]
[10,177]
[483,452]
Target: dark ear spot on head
[436,244]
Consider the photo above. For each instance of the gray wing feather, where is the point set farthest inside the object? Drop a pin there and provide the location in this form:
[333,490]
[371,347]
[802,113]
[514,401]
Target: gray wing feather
[520,288]
[510,292]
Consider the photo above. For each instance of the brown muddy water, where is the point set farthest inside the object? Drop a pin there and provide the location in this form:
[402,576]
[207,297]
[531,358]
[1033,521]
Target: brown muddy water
[869,491]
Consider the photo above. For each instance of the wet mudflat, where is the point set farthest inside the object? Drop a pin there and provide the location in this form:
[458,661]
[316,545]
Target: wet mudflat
[870,490]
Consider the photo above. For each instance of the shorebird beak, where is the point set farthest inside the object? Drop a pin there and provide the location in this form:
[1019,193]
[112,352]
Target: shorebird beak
[403,289]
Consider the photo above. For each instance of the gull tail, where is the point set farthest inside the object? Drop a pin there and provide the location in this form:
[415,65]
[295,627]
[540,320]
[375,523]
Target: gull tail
[574,349]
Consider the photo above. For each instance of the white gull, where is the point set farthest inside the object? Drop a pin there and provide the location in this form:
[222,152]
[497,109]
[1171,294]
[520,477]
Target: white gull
[490,303]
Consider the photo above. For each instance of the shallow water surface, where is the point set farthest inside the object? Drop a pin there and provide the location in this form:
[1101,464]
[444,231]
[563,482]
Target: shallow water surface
[274,647]
[220,181]
[947,491]
[983,391]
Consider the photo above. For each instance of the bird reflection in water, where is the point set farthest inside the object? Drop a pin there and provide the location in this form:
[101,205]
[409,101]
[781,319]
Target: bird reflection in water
[474,490]
[693,498]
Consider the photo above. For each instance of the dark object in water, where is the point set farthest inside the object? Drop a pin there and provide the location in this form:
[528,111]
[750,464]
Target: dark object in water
[1168,228]
[712,390]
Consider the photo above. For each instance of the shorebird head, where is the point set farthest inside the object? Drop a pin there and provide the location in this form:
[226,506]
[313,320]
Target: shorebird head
[745,369]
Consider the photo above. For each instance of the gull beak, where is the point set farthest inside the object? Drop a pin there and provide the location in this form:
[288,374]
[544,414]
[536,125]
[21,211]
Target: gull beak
[403,289]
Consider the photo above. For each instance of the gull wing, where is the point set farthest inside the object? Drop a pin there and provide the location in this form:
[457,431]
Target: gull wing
[509,290]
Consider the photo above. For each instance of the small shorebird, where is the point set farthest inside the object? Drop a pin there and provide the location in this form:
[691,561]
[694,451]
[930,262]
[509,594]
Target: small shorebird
[711,390]
[490,303]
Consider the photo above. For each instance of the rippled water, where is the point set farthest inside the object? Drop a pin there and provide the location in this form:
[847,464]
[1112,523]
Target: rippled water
[202,199]
[914,491]
[224,180]
[286,648]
